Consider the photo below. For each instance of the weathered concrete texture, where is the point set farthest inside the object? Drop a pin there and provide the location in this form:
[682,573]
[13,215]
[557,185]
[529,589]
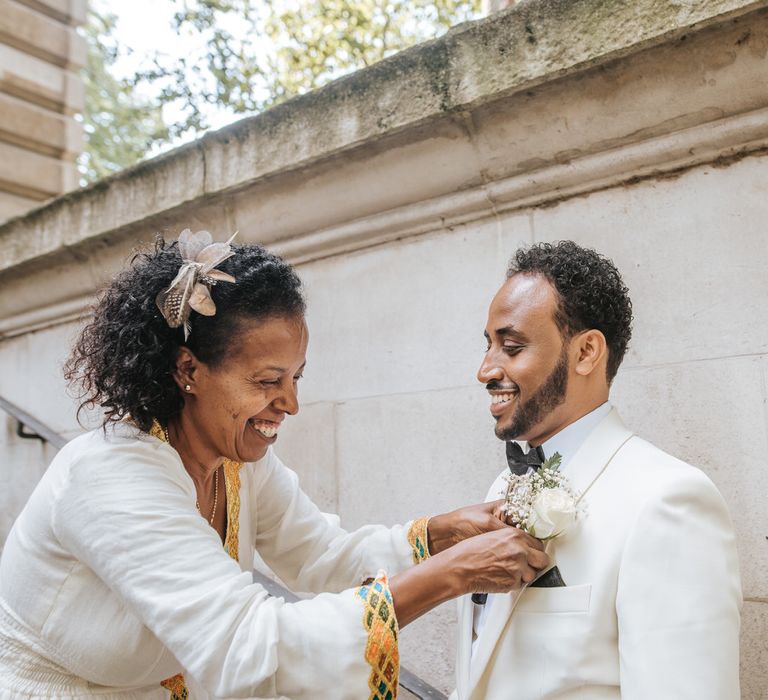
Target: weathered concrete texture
[436,450]
[692,251]
[307,445]
[24,463]
[496,5]
[435,631]
[475,64]
[754,651]
[30,376]
[440,319]
[711,414]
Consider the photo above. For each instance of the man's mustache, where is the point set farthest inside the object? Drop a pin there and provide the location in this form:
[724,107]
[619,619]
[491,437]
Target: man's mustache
[498,386]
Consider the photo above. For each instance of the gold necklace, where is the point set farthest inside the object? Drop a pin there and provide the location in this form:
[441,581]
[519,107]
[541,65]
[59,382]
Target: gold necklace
[215,485]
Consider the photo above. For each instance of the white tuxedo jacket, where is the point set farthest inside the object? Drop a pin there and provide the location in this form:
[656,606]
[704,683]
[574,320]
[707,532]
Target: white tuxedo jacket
[650,609]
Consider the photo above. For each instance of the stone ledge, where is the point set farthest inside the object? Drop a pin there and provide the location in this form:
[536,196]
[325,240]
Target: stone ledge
[473,65]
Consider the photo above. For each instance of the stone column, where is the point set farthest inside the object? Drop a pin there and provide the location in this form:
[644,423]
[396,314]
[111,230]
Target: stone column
[41,55]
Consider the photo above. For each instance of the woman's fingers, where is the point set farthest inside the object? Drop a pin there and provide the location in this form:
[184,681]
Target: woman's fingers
[537,559]
[529,540]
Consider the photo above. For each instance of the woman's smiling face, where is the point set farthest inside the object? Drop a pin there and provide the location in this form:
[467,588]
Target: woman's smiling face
[236,407]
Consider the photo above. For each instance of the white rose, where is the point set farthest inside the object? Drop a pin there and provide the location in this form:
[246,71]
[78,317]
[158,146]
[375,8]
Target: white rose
[553,512]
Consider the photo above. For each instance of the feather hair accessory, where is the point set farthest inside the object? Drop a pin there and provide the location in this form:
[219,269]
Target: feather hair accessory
[191,288]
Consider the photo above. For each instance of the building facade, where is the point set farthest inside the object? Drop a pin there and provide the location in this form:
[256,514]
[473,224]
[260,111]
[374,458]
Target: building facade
[41,90]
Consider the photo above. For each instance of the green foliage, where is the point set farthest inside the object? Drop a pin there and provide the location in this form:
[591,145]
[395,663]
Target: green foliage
[310,42]
[257,53]
[120,126]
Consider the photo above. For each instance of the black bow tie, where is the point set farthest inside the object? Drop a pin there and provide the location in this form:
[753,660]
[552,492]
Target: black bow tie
[519,461]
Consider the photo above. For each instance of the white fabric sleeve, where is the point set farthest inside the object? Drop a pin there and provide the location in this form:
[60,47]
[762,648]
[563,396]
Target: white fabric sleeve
[307,549]
[129,514]
[679,597]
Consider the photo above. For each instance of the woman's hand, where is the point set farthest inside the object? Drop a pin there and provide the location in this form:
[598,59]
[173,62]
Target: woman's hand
[449,529]
[492,562]
[497,561]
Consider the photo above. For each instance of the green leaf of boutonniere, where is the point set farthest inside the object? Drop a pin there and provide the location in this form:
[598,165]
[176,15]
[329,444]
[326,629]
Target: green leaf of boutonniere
[552,462]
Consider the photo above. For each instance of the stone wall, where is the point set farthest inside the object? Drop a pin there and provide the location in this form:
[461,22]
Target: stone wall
[40,91]
[401,191]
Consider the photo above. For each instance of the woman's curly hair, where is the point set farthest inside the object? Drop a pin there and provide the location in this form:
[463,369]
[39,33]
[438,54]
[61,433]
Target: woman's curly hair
[591,293]
[124,358]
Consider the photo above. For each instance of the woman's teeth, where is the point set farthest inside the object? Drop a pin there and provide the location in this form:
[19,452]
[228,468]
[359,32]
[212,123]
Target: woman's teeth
[501,398]
[268,430]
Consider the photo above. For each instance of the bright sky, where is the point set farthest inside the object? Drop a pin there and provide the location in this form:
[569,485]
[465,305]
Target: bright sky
[145,27]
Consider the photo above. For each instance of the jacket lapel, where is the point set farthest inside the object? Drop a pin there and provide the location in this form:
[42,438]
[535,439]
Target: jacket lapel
[596,453]
[583,470]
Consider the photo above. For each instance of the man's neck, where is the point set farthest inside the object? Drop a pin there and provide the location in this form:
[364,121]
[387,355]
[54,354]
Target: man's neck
[568,440]
[572,410]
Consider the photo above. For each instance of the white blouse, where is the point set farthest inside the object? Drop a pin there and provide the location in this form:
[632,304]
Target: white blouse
[111,582]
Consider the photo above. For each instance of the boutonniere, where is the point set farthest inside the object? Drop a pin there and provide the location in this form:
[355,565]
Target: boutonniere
[542,502]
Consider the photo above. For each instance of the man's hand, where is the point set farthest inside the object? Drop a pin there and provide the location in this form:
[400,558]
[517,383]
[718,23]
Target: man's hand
[449,529]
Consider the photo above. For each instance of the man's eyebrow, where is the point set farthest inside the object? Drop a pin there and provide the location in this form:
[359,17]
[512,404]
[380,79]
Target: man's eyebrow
[511,331]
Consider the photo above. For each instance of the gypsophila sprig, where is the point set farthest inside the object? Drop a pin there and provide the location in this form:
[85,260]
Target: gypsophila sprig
[542,502]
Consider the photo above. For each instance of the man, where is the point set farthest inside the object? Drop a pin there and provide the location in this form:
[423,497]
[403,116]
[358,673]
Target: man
[643,600]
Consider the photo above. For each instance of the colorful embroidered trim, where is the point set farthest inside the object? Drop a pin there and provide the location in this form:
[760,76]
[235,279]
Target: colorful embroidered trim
[417,538]
[381,651]
[232,482]
[176,685]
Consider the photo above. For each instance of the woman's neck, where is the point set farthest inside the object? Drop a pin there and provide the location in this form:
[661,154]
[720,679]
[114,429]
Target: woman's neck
[200,461]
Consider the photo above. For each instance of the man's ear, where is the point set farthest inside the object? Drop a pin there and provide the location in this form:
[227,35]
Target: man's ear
[187,369]
[590,351]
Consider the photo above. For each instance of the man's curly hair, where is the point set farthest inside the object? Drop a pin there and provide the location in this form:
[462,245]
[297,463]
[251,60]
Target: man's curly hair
[591,293]
[125,356]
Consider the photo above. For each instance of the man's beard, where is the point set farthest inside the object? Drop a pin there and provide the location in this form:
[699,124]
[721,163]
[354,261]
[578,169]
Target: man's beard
[547,398]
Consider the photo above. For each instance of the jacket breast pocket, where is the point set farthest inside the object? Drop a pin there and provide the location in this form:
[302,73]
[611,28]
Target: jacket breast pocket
[562,599]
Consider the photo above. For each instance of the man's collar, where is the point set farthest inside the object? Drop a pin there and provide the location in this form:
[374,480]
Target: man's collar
[570,438]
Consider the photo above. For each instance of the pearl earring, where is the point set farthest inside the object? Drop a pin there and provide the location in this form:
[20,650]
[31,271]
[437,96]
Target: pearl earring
[187,387]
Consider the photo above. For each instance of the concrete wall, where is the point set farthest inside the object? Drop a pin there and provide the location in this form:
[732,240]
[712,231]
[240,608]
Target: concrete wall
[40,91]
[401,192]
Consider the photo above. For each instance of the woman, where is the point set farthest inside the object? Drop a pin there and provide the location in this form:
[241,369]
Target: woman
[114,579]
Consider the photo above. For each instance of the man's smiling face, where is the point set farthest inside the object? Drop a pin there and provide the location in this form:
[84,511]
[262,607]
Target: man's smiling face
[526,366]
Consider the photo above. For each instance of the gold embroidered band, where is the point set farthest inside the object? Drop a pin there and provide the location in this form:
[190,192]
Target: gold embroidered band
[381,651]
[417,538]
